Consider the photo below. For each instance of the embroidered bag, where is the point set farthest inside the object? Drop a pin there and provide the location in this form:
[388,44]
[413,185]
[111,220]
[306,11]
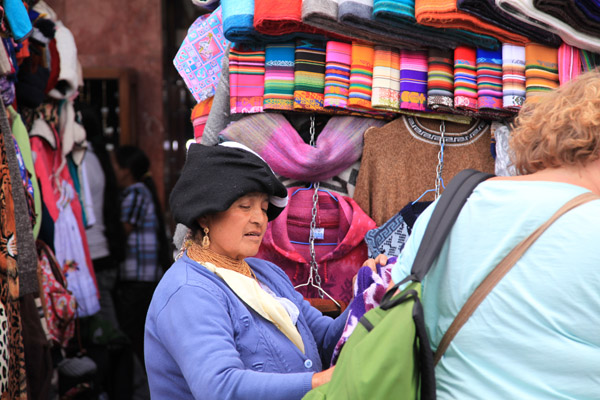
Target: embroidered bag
[59,303]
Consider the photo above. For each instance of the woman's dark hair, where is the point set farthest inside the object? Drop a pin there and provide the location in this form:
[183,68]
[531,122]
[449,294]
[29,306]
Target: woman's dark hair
[136,161]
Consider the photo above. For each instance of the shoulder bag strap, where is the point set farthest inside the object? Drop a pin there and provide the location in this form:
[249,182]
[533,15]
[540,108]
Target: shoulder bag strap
[500,270]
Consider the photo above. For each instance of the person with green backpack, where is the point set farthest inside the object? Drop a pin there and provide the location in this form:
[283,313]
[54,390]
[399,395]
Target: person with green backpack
[498,287]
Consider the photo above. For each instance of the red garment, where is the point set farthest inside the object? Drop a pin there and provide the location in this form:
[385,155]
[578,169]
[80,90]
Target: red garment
[283,17]
[344,223]
[48,160]
[54,66]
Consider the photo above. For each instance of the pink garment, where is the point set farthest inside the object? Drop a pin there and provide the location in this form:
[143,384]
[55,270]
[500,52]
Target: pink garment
[344,223]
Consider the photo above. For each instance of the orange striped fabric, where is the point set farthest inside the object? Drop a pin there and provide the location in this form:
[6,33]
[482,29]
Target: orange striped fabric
[541,69]
[361,76]
[445,14]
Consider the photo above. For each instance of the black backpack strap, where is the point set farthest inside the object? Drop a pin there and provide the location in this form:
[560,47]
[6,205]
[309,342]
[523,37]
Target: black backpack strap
[445,213]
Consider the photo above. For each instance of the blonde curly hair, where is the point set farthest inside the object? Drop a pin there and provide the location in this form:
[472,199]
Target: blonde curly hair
[559,128]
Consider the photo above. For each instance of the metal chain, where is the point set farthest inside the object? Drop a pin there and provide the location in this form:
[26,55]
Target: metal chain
[440,166]
[314,266]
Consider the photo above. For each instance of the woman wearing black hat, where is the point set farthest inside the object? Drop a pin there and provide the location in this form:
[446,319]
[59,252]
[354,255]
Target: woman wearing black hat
[223,325]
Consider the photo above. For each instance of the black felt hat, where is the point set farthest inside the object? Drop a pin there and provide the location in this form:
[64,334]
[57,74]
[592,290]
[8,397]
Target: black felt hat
[214,177]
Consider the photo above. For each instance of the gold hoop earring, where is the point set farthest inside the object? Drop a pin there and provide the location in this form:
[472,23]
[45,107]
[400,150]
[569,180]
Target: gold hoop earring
[205,239]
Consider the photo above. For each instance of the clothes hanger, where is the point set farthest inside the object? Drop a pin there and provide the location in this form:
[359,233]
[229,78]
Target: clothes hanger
[439,181]
[320,190]
[314,279]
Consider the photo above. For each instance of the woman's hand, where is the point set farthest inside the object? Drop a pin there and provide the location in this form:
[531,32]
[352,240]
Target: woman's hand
[320,378]
[381,259]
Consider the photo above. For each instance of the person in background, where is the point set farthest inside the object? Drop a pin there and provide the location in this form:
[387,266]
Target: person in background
[222,324]
[147,252]
[536,335]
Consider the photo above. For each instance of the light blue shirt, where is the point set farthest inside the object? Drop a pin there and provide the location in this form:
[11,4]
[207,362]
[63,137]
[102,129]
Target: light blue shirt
[537,334]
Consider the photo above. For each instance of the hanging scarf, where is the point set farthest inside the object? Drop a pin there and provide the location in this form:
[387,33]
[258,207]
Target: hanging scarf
[361,76]
[337,74]
[413,80]
[569,63]
[541,69]
[337,147]
[440,79]
[465,78]
[489,79]
[246,78]
[386,79]
[200,116]
[309,75]
[513,76]
[279,76]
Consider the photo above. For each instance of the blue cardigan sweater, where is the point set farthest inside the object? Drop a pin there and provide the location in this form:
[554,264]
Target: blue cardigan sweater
[202,342]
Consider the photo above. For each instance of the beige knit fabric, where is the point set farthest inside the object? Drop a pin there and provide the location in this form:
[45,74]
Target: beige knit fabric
[399,161]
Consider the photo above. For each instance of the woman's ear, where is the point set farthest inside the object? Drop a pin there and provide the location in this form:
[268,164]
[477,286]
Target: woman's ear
[202,222]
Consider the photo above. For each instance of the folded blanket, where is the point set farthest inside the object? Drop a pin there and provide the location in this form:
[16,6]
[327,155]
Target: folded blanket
[276,18]
[309,75]
[358,14]
[488,11]
[591,8]
[541,69]
[569,63]
[200,55]
[513,76]
[338,146]
[246,78]
[401,15]
[337,74]
[465,78]
[568,12]
[525,11]
[386,79]
[361,76]
[589,60]
[445,14]
[440,79]
[489,79]
[279,76]
[413,80]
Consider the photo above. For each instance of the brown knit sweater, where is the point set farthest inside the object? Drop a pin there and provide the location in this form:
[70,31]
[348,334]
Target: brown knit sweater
[399,161]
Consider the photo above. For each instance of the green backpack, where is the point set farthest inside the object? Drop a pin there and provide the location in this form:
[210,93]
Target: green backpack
[388,355]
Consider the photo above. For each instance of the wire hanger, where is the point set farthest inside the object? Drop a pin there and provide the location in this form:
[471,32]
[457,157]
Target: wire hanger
[439,181]
[314,279]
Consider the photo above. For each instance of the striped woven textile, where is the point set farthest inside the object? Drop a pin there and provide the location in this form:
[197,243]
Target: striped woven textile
[279,76]
[246,78]
[337,74]
[200,116]
[361,76]
[569,63]
[489,79]
[465,78]
[413,79]
[386,79]
[309,75]
[440,79]
[541,69]
[589,60]
[513,76]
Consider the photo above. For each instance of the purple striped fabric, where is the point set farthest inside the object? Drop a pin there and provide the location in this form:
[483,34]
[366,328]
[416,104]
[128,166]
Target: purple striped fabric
[413,79]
